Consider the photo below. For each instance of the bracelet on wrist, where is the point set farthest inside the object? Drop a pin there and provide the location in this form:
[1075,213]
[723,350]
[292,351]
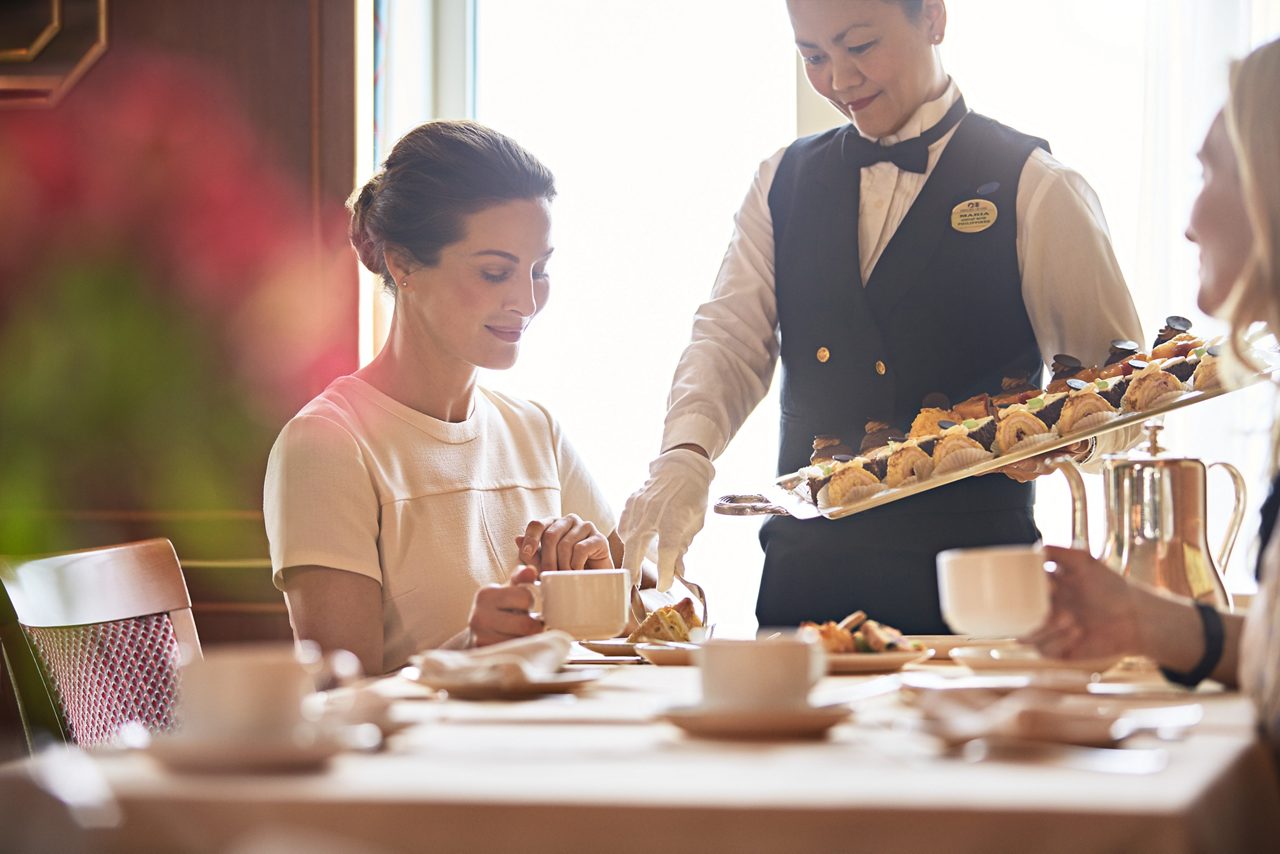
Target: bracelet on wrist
[1211,622]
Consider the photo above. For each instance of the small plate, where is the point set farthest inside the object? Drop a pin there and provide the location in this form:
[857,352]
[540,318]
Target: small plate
[665,654]
[874,662]
[565,682]
[943,644]
[610,646]
[811,722]
[221,756]
[1022,657]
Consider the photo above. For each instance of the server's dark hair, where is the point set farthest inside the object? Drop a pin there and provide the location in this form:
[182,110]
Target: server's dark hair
[436,175]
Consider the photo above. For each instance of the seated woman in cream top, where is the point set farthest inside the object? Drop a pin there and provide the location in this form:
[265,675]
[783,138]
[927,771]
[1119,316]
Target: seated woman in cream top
[400,502]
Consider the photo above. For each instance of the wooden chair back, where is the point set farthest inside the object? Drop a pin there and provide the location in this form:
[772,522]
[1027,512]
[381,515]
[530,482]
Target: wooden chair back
[100,633]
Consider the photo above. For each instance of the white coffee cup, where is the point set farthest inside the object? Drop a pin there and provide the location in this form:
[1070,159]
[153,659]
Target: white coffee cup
[247,693]
[586,603]
[759,675]
[997,591]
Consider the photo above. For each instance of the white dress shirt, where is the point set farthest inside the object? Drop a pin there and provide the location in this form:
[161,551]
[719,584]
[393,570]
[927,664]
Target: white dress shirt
[1074,293]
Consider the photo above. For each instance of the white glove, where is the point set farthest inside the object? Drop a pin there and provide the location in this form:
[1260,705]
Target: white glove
[666,513]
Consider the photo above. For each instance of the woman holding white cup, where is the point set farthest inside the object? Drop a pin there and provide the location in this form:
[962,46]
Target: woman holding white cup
[402,502]
[1236,224]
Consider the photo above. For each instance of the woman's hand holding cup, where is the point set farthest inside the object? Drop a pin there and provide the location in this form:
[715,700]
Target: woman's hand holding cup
[1093,613]
[500,612]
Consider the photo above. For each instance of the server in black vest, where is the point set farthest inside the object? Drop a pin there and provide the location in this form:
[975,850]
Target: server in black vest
[851,259]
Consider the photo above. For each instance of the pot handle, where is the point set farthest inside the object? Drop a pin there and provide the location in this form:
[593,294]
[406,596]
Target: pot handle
[1237,516]
[1079,503]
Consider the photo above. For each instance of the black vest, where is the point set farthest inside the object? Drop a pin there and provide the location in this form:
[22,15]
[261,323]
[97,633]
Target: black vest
[943,310]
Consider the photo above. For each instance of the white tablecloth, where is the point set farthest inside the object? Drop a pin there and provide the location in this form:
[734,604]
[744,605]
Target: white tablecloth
[596,774]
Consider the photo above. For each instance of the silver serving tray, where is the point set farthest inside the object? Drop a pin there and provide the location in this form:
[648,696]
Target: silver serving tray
[789,494]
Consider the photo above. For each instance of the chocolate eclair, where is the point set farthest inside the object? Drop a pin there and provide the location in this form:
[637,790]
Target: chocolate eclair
[826,446]
[1174,325]
[1121,349]
[878,434]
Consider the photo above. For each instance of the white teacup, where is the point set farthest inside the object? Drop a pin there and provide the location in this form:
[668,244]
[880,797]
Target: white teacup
[586,603]
[759,675]
[998,591]
[248,693]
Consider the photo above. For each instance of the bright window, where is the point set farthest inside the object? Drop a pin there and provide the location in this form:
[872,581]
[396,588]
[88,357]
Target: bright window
[653,114]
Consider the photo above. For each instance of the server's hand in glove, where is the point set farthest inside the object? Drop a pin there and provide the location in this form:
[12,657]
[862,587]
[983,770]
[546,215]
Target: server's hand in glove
[661,518]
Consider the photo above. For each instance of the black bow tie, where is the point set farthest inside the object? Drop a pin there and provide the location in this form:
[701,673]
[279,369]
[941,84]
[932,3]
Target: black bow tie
[910,155]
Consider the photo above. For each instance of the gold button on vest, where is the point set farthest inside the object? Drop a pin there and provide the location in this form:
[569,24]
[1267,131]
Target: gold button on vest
[823,354]
[880,368]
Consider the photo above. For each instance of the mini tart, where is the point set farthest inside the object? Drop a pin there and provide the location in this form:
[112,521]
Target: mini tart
[1047,407]
[955,452]
[1178,345]
[1180,367]
[1015,397]
[1149,387]
[926,422]
[1112,390]
[851,482]
[877,461]
[1206,376]
[977,407]
[982,431]
[1059,386]
[817,476]
[1018,425]
[1083,410]
[908,462]
[925,443]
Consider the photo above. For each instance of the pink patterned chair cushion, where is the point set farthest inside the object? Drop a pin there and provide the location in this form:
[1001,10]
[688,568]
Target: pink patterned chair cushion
[105,675]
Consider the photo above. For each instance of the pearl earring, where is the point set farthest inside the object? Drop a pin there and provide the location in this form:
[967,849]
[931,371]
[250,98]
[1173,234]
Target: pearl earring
[404,283]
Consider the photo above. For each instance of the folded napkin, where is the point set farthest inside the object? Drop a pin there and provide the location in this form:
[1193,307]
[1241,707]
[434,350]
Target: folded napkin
[962,715]
[506,664]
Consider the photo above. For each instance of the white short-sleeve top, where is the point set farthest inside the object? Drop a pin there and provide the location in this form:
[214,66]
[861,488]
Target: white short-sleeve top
[429,509]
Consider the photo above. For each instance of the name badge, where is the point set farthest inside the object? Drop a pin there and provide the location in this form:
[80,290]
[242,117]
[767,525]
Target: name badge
[973,216]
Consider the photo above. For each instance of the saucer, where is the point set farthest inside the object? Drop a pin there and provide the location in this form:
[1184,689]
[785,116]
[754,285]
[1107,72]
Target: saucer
[609,646]
[943,644]
[807,722]
[1022,657]
[222,756]
[874,662]
[667,654]
[565,682]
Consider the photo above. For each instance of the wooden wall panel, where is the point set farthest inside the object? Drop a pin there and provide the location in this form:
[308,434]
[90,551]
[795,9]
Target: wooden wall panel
[291,66]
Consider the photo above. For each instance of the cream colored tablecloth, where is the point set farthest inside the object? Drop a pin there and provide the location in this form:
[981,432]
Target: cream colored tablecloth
[596,774]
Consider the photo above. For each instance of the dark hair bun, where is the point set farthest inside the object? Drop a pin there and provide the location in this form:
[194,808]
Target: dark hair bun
[367,247]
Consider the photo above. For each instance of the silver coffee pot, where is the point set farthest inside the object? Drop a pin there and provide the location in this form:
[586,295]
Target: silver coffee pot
[1155,517]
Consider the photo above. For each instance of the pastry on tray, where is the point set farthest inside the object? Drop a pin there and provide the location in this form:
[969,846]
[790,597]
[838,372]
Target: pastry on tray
[850,481]
[955,451]
[1019,425]
[907,464]
[1148,388]
[926,422]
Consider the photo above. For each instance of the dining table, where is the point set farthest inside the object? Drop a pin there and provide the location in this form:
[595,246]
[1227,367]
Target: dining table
[602,769]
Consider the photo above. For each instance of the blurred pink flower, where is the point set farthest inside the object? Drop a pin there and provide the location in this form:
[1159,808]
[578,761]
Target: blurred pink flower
[165,294]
